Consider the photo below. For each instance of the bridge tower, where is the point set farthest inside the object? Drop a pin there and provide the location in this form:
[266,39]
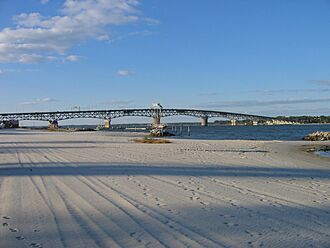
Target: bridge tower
[157,110]
[233,122]
[204,121]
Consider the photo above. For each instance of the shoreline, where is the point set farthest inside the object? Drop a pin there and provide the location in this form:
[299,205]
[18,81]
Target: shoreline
[305,146]
[318,148]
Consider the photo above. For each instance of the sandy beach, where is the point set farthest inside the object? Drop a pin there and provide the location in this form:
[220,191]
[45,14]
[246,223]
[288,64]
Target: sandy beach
[100,189]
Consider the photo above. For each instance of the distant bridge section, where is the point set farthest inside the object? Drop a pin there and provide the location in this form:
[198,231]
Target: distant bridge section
[107,115]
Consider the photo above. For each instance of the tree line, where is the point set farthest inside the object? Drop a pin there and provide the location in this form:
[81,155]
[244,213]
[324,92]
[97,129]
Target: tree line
[305,119]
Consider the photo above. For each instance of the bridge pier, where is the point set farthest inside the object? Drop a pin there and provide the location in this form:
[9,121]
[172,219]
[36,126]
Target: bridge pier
[204,121]
[53,124]
[233,122]
[107,123]
[156,120]
[11,124]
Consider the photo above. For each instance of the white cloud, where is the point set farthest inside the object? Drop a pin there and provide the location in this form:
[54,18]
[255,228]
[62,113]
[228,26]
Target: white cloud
[73,58]
[5,71]
[39,38]
[39,101]
[151,21]
[118,102]
[124,73]
[46,99]
[44,1]
[131,34]
[27,103]
[103,37]
[34,58]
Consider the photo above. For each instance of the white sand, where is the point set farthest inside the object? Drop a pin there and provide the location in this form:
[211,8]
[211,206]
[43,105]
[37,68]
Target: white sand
[102,190]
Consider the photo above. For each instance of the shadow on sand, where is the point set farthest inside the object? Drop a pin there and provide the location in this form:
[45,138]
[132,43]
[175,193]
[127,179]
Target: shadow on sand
[92,169]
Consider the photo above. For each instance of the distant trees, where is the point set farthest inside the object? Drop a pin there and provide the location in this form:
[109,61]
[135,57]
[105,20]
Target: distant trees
[305,119]
[299,119]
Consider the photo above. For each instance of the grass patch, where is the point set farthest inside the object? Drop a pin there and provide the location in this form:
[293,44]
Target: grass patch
[56,130]
[150,140]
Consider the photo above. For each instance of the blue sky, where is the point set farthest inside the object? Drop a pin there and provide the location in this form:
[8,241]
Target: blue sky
[259,57]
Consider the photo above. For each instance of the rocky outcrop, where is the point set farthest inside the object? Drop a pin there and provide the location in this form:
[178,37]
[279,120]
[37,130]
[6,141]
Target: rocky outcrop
[160,133]
[318,136]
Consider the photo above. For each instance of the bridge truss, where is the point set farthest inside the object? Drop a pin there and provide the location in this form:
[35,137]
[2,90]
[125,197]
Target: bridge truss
[111,114]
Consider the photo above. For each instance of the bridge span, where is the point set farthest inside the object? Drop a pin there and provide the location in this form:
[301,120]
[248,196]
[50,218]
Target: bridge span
[108,115]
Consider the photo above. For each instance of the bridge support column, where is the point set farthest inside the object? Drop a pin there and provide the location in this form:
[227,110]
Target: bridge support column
[53,124]
[107,123]
[156,120]
[11,124]
[233,122]
[204,121]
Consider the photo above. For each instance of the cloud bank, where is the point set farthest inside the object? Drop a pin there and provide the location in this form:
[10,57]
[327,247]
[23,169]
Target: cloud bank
[38,38]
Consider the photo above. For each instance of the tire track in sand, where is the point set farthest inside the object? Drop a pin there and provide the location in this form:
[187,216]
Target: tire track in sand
[133,207]
[131,234]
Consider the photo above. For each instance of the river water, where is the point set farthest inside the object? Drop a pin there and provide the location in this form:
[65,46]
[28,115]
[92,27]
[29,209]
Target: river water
[217,132]
[275,132]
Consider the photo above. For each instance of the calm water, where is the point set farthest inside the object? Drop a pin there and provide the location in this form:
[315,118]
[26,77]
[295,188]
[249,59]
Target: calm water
[276,132]
[324,153]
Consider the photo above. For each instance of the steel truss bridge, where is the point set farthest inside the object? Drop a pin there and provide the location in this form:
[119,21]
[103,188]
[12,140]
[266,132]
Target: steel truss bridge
[156,114]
